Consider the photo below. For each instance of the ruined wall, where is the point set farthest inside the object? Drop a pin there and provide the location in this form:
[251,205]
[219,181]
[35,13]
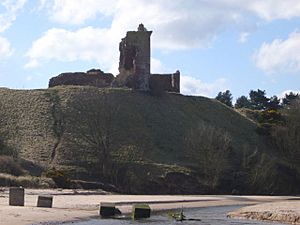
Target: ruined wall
[134,61]
[134,68]
[167,82]
[92,77]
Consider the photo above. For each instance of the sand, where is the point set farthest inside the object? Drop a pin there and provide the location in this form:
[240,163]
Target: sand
[70,205]
[283,211]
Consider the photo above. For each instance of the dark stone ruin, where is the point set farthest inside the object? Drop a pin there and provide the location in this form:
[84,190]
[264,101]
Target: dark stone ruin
[16,196]
[134,68]
[92,77]
[134,64]
[140,211]
[167,82]
[107,209]
[45,201]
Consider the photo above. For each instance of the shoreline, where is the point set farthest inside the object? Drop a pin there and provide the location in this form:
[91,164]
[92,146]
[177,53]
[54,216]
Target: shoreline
[284,211]
[78,205]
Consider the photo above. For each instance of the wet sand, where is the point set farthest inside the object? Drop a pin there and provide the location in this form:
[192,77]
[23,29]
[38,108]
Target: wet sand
[283,211]
[69,205]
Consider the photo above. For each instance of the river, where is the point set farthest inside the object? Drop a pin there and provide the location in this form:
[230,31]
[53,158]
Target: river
[208,216]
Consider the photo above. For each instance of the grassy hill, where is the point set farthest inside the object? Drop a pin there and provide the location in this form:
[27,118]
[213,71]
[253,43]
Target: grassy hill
[174,143]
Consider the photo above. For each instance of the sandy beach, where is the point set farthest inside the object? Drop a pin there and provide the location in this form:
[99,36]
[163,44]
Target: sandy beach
[283,211]
[70,205]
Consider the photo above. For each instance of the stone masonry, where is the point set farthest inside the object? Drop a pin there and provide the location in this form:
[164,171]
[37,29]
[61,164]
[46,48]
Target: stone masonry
[92,77]
[16,196]
[134,68]
[134,61]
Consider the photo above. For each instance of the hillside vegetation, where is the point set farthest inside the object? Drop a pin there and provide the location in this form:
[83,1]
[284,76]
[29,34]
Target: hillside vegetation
[140,143]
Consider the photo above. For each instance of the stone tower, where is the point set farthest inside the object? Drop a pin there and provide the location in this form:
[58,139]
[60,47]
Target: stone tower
[134,65]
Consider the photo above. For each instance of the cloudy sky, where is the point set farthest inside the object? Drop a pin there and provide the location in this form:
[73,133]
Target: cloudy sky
[216,44]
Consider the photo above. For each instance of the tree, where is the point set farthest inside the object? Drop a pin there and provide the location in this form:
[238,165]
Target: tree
[286,136]
[92,123]
[225,97]
[242,102]
[258,99]
[274,103]
[288,98]
[211,147]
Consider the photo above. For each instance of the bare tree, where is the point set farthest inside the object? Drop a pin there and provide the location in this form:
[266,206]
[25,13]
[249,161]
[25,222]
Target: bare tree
[287,136]
[211,147]
[92,119]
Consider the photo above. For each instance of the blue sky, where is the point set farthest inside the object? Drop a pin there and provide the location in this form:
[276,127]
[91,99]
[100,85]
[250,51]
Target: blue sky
[216,44]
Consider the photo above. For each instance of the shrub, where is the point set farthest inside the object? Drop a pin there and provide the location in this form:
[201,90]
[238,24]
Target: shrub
[211,147]
[10,165]
[8,180]
[59,177]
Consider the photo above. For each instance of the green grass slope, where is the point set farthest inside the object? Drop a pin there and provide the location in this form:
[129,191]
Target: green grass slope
[150,135]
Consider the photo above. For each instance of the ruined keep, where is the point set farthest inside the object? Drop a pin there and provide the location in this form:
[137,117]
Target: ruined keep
[134,64]
[134,68]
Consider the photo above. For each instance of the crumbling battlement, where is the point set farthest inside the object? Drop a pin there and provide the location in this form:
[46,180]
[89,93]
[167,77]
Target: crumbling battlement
[134,68]
[167,82]
[134,61]
[92,77]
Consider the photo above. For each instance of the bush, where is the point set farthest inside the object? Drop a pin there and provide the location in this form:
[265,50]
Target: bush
[8,180]
[10,165]
[211,147]
[59,177]
[270,176]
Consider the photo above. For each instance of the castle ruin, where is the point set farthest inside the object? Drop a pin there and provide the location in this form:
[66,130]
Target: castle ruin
[134,68]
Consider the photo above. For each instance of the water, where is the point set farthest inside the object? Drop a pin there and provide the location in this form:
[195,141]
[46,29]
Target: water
[208,216]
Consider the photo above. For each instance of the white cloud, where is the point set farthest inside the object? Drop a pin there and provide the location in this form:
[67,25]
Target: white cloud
[157,66]
[11,7]
[275,9]
[282,94]
[78,11]
[178,24]
[7,17]
[5,48]
[244,37]
[192,86]
[88,43]
[279,55]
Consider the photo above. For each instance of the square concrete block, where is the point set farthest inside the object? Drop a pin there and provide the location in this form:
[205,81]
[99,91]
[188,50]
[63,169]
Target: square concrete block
[107,209]
[16,196]
[140,211]
[45,201]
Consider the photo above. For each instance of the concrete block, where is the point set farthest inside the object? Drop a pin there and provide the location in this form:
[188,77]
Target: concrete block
[107,209]
[45,201]
[16,196]
[140,211]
